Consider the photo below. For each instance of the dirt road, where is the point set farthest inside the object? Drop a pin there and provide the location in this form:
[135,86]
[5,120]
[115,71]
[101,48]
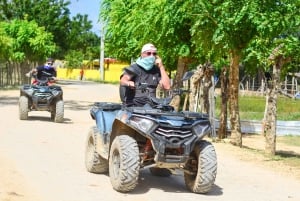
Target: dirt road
[44,161]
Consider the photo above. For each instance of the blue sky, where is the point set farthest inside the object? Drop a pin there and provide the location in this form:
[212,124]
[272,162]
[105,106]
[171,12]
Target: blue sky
[89,7]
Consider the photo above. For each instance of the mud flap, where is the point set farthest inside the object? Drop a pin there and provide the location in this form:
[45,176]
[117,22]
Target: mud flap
[104,113]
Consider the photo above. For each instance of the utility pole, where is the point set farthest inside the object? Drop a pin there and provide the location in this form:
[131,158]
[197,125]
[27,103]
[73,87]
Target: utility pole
[101,59]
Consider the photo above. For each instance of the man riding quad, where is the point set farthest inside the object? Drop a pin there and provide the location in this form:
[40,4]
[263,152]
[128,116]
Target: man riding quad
[44,72]
[42,94]
[148,68]
[146,132]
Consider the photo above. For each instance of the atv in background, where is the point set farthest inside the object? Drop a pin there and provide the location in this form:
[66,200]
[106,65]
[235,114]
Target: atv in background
[155,136]
[42,96]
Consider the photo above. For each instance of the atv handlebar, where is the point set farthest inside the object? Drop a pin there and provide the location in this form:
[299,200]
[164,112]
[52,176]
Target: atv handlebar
[48,78]
[173,92]
[161,103]
[180,91]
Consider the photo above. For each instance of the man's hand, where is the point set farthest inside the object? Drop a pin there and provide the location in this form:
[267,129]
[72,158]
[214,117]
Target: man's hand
[158,62]
[28,74]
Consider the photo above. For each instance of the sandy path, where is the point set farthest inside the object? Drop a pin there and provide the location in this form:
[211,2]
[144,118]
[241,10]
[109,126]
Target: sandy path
[44,161]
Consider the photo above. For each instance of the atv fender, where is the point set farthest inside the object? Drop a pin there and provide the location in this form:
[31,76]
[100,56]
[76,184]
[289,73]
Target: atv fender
[104,114]
[121,126]
[102,142]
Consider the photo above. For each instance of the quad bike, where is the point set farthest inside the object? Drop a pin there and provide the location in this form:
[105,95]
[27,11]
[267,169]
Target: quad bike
[154,136]
[41,96]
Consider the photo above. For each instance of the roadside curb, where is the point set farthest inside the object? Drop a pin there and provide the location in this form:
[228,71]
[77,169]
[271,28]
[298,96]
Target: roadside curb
[254,126]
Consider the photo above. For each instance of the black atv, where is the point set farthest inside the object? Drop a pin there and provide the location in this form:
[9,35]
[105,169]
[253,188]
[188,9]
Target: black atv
[41,96]
[154,136]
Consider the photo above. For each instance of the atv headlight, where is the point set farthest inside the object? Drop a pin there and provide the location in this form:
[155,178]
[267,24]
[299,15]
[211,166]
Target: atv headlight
[202,129]
[142,124]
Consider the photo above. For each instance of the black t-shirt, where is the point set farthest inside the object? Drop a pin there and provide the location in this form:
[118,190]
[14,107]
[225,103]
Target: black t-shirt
[44,72]
[137,97]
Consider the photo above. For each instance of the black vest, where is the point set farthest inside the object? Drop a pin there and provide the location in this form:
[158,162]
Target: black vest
[133,97]
[43,73]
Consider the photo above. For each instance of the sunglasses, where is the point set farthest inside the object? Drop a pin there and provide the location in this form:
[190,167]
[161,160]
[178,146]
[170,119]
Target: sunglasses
[150,53]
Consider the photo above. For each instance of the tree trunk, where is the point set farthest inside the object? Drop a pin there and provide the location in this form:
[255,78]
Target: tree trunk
[175,103]
[181,69]
[236,135]
[195,88]
[269,122]
[207,84]
[222,132]
[270,116]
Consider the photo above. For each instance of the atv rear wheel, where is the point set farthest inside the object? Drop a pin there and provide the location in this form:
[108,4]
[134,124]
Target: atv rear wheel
[59,111]
[124,163]
[161,172]
[93,161]
[23,108]
[204,165]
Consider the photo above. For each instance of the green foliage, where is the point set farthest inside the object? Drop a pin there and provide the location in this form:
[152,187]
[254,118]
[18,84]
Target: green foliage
[130,24]
[51,14]
[199,30]
[278,23]
[74,59]
[206,30]
[29,41]
[82,39]
[54,16]
[5,43]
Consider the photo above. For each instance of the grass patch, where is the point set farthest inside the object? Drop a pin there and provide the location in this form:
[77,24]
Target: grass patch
[292,140]
[289,158]
[6,88]
[253,107]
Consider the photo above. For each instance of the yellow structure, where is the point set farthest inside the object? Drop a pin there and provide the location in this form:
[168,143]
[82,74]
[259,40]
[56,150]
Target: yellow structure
[110,75]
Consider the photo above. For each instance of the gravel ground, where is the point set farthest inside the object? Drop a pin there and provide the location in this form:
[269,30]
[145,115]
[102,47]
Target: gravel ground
[44,161]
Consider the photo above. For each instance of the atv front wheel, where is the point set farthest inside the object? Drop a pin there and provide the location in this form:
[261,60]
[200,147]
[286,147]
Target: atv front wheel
[202,169]
[59,111]
[23,108]
[93,161]
[124,163]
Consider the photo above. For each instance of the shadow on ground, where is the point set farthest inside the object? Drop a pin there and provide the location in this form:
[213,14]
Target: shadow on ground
[77,105]
[8,100]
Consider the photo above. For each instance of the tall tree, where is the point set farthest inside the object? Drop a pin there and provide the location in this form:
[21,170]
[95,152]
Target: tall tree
[130,24]
[5,43]
[82,39]
[30,44]
[52,14]
[29,41]
[278,46]
[208,30]
[270,117]
[228,27]
[285,53]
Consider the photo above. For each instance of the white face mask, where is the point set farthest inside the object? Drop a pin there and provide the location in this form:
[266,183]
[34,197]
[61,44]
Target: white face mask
[147,62]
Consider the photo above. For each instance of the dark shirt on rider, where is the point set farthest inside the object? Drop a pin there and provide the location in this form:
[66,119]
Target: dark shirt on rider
[44,72]
[135,96]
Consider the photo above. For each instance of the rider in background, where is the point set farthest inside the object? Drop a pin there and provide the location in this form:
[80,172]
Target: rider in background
[44,72]
[149,69]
